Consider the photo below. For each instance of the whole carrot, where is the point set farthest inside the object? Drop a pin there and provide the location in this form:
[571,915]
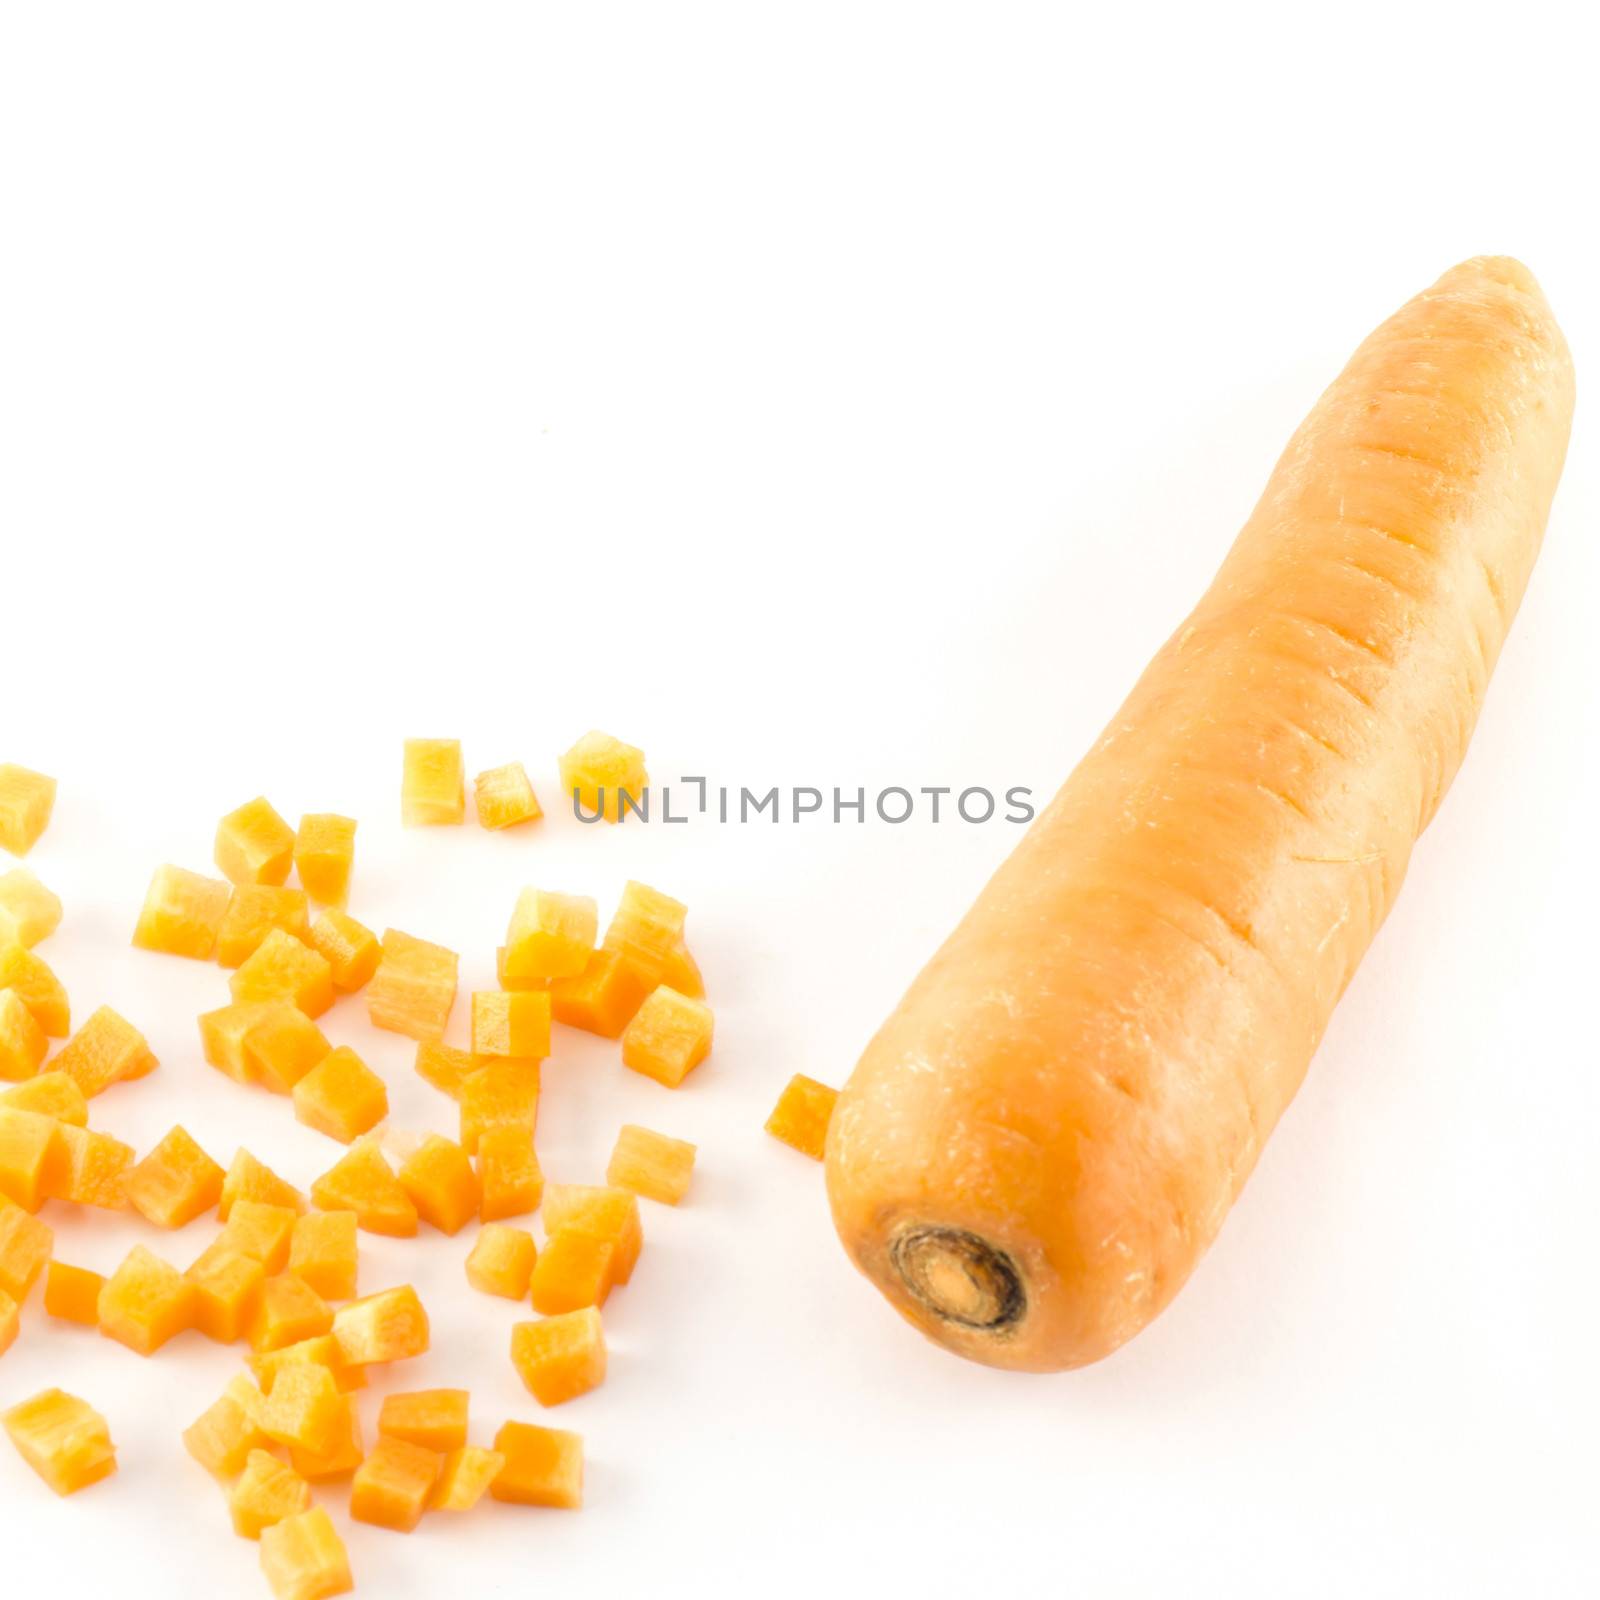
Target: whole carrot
[1043,1138]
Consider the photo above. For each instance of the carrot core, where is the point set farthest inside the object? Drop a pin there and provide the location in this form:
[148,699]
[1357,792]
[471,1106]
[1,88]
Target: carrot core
[960,1277]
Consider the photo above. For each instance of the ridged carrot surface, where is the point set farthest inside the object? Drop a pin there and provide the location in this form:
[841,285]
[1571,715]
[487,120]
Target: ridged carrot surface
[1041,1141]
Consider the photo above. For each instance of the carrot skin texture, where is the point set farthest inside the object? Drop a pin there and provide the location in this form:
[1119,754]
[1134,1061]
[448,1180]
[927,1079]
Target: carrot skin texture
[1039,1144]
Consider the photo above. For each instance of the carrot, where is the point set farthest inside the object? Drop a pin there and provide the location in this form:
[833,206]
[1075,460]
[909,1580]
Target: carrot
[1043,1138]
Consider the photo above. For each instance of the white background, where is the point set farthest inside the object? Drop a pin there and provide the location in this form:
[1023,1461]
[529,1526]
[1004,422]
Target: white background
[829,394]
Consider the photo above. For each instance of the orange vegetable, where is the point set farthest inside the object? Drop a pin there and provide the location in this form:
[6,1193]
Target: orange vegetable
[342,1457]
[341,1096]
[227,1289]
[223,1032]
[1046,1134]
[324,851]
[51,1094]
[440,1181]
[64,1439]
[561,1357]
[28,910]
[510,1183]
[323,1252]
[26,801]
[433,1418]
[603,997]
[174,1183]
[287,1312]
[505,797]
[25,1244]
[514,1025]
[802,1115]
[668,1038]
[254,910]
[266,1493]
[254,844]
[145,1302]
[23,1044]
[602,775]
[282,968]
[37,987]
[543,1467]
[249,1179]
[261,1230]
[73,1294]
[304,1409]
[350,948]
[280,1045]
[501,1261]
[445,1067]
[10,1321]
[414,987]
[303,1558]
[574,1270]
[502,1094]
[362,1181]
[606,1213]
[182,914]
[465,1478]
[222,1437]
[107,1049]
[514,985]
[321,1349]
[29,1146]
[651,1164]
[550,935]
[391,1326]
[392,1487]
[647,931]
[433,788]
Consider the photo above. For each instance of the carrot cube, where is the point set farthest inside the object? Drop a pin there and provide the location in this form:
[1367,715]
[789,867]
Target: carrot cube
[341,1096]
[254,910]
[227,1288]
[342,1457]
[501,1261]
[434,1418]
[174,1183]
[145,1302]
[651,1164]
[304,1409]
[323,1253]
[350,948]
[28,910]
[254,844]
[73,1294]
[287,1312]
[182,914]
[282,968]
[25,1245]
[261,1230]
[29,1146]
[599,771]
[445,1067]
[439,1178]
[511,1025]
[223,1435]
[550,935]
[51,1094]
[505,797]
[64,1439]
[89,1168]
[603,998]
[324,850]
[414,987]
[668,1038]
[543,1467]
[23,1045]
[321,1350]
[303,1558]
[510,1183]
[465,1478]
[362,1181]
[574,1270]
[610,1214]
[502,1094]
[26,801]
[802,1115]
[281,1045]
[222,1036]
[37,987]
[266,1493]
[647,931]
[392,1486]
[433,787]
[560,1357]
[107,1049]
[391,1326]
[249,1179]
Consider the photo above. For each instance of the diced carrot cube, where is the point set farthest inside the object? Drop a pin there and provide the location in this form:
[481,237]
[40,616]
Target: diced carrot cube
[227,1289]
[223,1032]
[282,1045]
[254,910]
[282,968]
[341,1096]
[174,1183]
[303,1558]
[304,1409]
[23,1045]
[502,1094]
[25,1245]
[267,1492]
[668,1038]
[88,1168]
[602,774]
[73,1294]
[438,1177]
[145,1302]
[249,1179]
[574,1270]
[223,1435]
[434,1418]
[350,948]
[324,1253]
[445,1067]
[261,1230]
[254,844]
[37,987]
[465,1478]
[433,787]
[26,801]
[182,914]
[603,998]
[322,1350]
[341,1458]
[414,987]
[560,1357]
[647,931]
[511,1025]
[107,1049]
[505,797]
[510,1183]
[607,1213]
[550,935]
[501,1261]
[391,1326]
[29,1146]
[392,1487]
[287,1312]
[363,1182]
[543,1467]
[802,1115]
[64,1439]
[28,910]
[51,1094]
[651,1164]
[324,850]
